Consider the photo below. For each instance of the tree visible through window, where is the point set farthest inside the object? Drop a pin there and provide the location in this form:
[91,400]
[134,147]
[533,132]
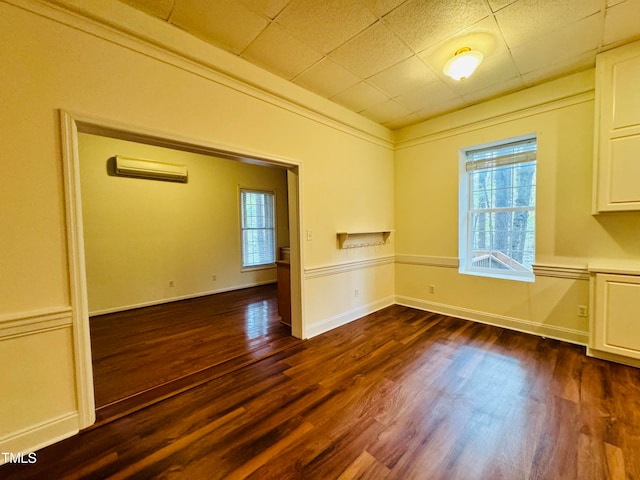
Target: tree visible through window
[258,228]
[499,195]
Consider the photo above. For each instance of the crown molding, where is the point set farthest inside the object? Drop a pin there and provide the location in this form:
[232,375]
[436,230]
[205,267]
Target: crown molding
[123,25]
[566,91]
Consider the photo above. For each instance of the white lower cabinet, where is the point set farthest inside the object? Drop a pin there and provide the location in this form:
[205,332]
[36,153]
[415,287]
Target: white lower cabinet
[615,315]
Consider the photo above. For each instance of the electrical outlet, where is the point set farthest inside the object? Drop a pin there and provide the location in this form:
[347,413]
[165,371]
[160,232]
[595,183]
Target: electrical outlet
[432,289]
[172,283]
[214,277]
[356,292]
[582,311]
[309,235]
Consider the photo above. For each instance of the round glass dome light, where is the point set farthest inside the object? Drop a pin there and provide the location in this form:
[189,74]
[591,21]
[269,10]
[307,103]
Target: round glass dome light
[463,64]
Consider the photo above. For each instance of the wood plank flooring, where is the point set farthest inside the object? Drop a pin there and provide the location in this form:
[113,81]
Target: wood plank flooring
[146,354]
[399,394]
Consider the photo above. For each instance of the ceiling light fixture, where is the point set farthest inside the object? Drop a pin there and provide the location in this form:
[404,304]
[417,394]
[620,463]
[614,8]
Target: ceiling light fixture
[463,63]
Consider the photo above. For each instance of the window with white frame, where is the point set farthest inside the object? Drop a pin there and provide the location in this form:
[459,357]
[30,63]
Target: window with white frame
[257,224]
[497,209]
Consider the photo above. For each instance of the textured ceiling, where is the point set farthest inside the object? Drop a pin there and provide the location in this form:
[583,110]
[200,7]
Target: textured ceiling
[384,58]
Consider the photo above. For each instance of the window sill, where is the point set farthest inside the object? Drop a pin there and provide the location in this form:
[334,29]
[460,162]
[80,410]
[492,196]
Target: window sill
[267,266]
[502,276]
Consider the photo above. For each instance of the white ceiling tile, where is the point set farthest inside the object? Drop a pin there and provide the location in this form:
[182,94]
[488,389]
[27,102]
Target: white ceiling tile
[270,8]
[499,4]
[280,53]
[382,7]
[360,97]
[622,22]
[386,111]
[525,21]
[326,78]
[440,107]
[211,21]
[564,67]
[426,96]
[555,47]
[422,24]
[402,121]
[372,51]
[157,8]
[403,77]
[325,25]
[494,90]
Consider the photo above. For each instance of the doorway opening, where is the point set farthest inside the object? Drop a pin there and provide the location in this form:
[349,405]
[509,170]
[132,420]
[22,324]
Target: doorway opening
[259,296]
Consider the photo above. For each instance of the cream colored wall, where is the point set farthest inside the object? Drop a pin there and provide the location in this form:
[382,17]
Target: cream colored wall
[57,60]
[141,234]
[546,307]
[60,60]
[567,235]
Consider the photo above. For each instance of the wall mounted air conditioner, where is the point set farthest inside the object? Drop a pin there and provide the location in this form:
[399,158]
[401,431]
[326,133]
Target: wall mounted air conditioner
[132,167]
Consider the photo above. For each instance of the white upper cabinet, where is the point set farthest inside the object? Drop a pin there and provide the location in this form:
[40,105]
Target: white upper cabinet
[617,130]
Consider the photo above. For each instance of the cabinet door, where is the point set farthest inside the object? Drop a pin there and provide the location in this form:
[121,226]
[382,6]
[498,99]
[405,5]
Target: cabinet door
[617,130]
[616,315]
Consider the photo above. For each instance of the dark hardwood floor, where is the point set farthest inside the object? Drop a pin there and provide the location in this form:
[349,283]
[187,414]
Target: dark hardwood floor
[399,394]
[146,354]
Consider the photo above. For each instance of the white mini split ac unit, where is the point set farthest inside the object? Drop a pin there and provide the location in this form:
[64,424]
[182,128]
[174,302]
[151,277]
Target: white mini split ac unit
[132,167]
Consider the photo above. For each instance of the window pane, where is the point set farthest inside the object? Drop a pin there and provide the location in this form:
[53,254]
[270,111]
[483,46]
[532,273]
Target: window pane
[503,184]
[257,210]
[257,247]
[258,228]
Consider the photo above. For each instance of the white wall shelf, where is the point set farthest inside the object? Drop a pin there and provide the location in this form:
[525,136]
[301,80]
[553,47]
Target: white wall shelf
[362,239]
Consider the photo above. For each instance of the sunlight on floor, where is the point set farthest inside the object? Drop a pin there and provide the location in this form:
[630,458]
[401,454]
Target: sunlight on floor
[257,319]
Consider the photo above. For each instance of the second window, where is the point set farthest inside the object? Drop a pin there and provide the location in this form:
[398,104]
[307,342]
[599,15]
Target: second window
[257,225]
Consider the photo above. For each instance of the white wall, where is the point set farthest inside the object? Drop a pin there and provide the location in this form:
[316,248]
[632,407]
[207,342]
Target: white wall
[59,60]
[561,114]
[131,73]
[141,234]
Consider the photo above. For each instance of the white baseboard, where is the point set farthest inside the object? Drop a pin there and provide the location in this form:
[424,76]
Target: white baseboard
[176,299]
[535,328]
[346,317]
[40,435]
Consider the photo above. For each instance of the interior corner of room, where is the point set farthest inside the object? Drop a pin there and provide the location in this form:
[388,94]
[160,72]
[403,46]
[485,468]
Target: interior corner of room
[367,215]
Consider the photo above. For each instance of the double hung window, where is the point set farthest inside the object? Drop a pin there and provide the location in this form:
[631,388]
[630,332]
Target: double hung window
[497,209]
[257,225]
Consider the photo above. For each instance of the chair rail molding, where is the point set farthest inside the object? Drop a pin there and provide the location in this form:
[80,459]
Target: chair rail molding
[34,322]
[335,269]
[429,261]
[561,271]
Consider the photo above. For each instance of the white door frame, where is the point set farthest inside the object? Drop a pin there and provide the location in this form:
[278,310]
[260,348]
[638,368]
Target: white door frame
[71,124]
